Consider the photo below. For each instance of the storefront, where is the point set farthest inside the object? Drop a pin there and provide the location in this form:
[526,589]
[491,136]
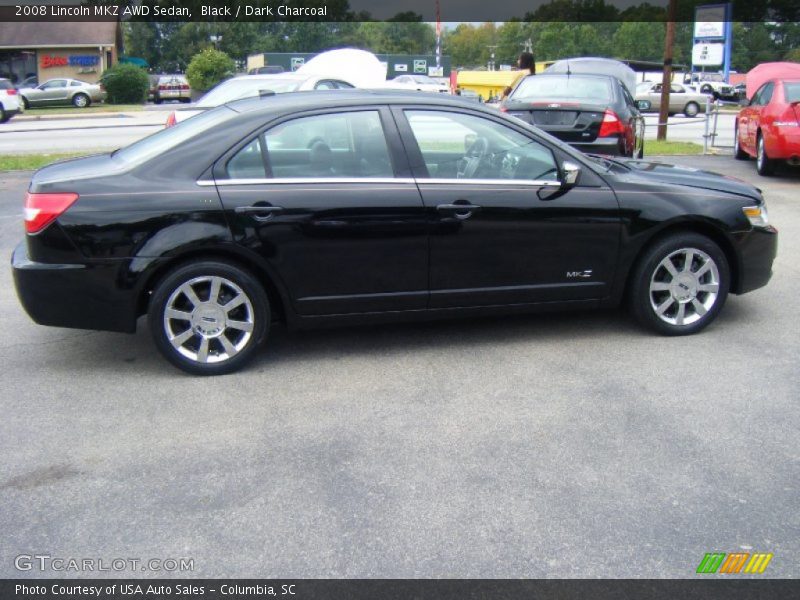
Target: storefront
[53,50]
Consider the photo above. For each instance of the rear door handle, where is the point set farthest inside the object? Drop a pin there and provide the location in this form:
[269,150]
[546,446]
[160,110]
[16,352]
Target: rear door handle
[464,208]
[260,213]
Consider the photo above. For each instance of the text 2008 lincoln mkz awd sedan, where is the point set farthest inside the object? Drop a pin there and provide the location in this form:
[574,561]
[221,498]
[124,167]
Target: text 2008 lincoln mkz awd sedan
[324,207]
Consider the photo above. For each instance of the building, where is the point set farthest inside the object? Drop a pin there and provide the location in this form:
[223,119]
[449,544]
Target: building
[49,50]
[396,64]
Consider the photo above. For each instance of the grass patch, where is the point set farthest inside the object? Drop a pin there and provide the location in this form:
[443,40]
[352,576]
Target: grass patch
[666,148]
[72,111]
[31,162]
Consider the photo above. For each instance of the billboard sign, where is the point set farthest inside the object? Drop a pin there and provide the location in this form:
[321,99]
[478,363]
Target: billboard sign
[705,55]
[709,21]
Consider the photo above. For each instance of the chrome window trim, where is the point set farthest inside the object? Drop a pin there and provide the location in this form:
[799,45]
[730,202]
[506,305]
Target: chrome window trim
[378,180]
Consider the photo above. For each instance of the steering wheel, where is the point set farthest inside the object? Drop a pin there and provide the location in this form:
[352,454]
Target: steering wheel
[474,157]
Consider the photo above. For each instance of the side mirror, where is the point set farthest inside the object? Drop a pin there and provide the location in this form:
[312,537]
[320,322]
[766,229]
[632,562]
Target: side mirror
[570,172]
[643,104]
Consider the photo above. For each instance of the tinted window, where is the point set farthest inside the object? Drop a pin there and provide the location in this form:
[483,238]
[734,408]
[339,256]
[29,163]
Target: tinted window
[573,87]
[248,163]
[75,84]
[57,83]
[349,145]
[325,85]
[766,95]
[791,91]
[459,146]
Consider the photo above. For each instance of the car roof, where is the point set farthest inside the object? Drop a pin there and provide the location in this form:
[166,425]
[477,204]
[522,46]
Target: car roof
[297,101]
[272,76]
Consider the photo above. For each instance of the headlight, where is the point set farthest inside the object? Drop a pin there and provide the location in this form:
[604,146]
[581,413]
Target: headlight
[757,215]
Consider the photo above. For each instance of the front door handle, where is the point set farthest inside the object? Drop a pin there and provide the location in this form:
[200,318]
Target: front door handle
[462,211]
[260,213]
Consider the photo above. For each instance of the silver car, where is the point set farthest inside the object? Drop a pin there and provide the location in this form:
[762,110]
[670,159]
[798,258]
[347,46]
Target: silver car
[682,99]
[63,91]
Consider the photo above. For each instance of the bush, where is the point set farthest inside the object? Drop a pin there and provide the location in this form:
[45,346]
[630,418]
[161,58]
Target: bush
[207,68]
[126,84]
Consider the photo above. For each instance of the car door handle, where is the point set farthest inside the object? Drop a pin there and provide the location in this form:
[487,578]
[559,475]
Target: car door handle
[260,213]
[458,207]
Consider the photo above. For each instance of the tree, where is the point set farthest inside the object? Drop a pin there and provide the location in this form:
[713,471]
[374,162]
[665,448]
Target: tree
[208,67]
[638,40]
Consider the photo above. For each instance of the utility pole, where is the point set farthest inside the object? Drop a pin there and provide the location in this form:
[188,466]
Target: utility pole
[666,80]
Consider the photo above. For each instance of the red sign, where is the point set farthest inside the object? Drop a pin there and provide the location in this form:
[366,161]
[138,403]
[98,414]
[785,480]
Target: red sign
[54,61]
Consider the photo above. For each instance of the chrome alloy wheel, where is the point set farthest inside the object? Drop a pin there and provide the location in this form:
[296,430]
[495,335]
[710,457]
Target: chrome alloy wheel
[209,319]
[684,286]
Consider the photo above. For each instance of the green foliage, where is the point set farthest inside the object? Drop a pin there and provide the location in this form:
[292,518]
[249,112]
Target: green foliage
[125,84]
[208,67]
[640,40]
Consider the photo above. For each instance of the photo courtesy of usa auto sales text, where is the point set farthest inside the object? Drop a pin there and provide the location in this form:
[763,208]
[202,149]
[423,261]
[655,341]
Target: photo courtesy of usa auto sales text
[137,590]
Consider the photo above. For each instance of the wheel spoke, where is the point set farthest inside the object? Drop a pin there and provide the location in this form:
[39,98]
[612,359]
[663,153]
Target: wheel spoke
[662,308]
[238,300]
[659,286]
[202,353]
[687,265]
[241,325]
[708,287]
[213,296]
[703,269]
[173,313]
[681,314]
[180,339]
[667,264]
[230,349]
[698,307]
[188,291]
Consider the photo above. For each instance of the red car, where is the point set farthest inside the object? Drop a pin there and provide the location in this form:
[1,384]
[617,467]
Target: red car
[769,126]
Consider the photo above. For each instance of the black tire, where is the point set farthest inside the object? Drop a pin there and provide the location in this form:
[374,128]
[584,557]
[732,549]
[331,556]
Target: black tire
[25,103]
[682,290]
[640,153]
[764,164]
[81,101]
[738,153]
[158,100]
[691,109]
[3,116]
[707,89]
[252,310]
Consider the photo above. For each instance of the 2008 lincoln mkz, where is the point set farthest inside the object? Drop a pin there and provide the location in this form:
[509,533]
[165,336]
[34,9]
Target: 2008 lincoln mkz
[354,206]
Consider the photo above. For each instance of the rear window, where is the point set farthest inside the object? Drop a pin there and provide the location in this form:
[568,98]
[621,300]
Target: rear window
[566,87]
[792,91]
[169,138]
[5,84]
[235,89]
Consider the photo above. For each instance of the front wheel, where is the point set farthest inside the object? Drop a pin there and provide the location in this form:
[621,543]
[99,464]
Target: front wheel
[208,318]
[680,284]
[691,109]
[80,100]
[738,153]
[3,115]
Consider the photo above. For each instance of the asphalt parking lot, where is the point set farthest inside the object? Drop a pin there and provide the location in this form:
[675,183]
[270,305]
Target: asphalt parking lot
[567,445]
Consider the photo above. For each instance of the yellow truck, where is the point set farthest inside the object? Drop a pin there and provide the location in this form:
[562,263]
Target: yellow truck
[490,84]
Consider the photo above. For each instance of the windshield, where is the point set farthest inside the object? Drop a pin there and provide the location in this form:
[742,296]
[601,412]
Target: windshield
[567,87]
[166,139]
[235,89]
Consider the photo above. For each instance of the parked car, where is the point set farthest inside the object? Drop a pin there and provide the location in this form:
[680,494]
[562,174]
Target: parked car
[9,100]
[266,70]
[681,99]
[29,82]
[594,113]
[712,83]
[405,206]
[420,83]
[172,87]
[246,86]
[63,91]
[769,126]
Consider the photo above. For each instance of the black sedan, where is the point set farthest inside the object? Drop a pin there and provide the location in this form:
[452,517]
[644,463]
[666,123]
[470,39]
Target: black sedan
[354,207]
[593,112]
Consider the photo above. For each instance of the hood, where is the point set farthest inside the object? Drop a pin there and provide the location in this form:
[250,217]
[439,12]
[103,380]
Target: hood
[688,176]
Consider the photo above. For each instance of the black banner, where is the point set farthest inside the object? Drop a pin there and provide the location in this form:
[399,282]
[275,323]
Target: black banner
[402,589]
[386,10]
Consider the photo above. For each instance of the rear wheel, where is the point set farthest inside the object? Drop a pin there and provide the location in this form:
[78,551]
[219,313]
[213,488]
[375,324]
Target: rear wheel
[80,100]
[764,164]
[680,284]
[208,318]
[3,116]
[691,109]
[738,153]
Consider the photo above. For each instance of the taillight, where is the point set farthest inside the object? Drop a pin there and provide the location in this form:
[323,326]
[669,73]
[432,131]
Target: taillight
[171,120]
[162,87]
[184,87]
[11,92]
[611,125]
[43,209]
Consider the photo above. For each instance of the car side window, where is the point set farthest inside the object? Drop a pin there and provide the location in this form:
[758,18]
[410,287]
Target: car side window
[56,83]
[325,85]
[337,145]
[460,146]
[628,98]
[343,85]
[75,84]
[766,95]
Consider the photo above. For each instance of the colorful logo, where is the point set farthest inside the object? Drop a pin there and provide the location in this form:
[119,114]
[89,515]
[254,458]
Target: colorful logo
[732,563]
